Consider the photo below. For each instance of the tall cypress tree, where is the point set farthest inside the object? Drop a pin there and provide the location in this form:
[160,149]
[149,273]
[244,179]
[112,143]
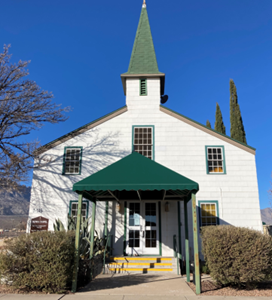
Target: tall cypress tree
[208,124]
[237,130]
[219,124]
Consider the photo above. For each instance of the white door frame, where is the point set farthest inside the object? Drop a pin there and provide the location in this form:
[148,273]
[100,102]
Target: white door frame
[140,227]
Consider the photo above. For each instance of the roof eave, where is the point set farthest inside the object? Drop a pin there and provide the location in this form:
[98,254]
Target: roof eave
[208,130]
[80,130]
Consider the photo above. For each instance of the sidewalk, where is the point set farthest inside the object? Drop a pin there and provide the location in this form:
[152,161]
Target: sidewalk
[81,296]
[131,287]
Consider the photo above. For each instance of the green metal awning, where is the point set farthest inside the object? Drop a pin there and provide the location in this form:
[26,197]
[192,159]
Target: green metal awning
[135,173]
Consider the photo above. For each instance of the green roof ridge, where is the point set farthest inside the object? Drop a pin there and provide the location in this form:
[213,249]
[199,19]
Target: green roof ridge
[143,58]
[208,128]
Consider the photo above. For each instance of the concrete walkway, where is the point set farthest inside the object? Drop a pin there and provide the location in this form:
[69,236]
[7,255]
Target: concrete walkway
[138,284]
[131,287]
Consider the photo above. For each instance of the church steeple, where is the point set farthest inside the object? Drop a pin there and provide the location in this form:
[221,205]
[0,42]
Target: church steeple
[143,61]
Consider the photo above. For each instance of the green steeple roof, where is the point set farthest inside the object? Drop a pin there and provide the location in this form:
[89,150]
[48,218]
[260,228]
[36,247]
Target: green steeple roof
[143,61]
[143,58]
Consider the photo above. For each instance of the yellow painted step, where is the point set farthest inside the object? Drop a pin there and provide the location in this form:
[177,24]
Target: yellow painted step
[127,258]
[139,264]
[140,269]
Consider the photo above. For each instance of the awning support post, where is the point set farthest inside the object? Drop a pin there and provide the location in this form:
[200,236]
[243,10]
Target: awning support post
[196,251]
[187,251]
[179,236]
[106,219]
[77,238]
[92,228]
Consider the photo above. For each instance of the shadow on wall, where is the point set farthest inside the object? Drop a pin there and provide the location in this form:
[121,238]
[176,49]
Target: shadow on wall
[52,191]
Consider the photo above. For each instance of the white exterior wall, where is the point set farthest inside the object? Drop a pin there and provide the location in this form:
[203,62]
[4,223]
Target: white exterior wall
[178,146]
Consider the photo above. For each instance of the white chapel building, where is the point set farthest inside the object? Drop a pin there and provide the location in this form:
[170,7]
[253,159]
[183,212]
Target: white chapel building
[152,173]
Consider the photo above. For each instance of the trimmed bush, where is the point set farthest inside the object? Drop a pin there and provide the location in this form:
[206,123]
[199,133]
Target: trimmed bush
[40,261]
[236,255]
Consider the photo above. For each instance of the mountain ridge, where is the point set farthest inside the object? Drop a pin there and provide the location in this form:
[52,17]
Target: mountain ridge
[15,202]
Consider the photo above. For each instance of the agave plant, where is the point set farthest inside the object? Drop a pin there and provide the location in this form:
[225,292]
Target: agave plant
[58,226]
[84,238]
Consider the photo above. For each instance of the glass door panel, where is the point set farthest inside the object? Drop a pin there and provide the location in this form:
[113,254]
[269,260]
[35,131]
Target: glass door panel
[151,243]
[134,228]
[142,228]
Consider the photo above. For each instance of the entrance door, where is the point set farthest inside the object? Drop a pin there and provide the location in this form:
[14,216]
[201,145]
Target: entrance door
[142,228]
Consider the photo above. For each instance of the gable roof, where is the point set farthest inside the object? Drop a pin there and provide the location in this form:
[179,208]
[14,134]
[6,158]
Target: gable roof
[164,109]
[208,130]
[81,129]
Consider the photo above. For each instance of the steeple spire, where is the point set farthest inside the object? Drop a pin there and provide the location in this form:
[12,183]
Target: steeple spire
[143,58]
[143,61]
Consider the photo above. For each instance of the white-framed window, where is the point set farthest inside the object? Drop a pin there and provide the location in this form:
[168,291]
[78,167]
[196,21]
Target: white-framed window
[84,210]
[143,140]
[72,160]
[215,158]
[209,213]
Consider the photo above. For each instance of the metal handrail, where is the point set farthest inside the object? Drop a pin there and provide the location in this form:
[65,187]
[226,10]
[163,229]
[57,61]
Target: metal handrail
[108,241]
[176,252]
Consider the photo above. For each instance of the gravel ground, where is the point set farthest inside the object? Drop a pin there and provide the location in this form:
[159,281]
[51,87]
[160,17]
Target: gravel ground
[263,289]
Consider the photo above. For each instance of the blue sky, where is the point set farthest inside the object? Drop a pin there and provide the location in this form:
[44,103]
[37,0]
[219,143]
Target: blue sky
[78,49]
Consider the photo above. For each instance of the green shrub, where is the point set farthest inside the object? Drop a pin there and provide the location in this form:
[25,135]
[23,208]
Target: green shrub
[205,269]
[39,261]
[236,255]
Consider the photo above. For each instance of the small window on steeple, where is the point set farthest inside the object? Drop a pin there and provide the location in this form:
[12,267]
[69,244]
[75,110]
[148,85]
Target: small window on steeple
[143,87]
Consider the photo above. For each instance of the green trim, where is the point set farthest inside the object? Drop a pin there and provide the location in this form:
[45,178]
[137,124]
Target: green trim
[76,201]
[125,229]
[207,202]
[160,238]
[92,228]
[174,245]
[187,251]
[224,160]
[77,244]
[208,128]
[196,249]
[179,231]
[73,133]
[145,84]
[153,138]
[106,218]
[80,159]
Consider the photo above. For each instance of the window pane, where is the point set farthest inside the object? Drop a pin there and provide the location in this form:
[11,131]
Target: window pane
[208,214]
[143,141]
[72,161]
[137,243]
[215,160]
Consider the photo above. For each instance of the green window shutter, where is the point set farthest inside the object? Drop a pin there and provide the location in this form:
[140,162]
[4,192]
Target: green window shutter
[143,87]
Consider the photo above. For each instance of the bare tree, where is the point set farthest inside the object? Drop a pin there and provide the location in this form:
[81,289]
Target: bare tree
[24,107]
